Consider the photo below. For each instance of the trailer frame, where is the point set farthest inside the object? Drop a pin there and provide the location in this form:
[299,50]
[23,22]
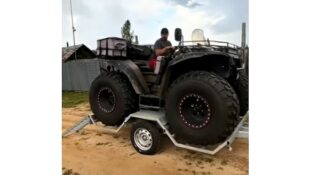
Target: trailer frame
[160,118]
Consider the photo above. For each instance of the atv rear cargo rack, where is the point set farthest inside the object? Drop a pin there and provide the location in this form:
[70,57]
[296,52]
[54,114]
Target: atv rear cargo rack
[159,117]
[213,43]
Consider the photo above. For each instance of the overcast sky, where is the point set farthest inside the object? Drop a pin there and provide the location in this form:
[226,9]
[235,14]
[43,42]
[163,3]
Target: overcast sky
[95,19]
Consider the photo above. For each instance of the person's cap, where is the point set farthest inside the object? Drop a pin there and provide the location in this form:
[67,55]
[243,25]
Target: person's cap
[164,31]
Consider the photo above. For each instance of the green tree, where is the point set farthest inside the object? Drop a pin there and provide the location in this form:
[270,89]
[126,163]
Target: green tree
[126,33]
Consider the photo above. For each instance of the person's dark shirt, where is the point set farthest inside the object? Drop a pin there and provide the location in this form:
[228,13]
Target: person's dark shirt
[160,44]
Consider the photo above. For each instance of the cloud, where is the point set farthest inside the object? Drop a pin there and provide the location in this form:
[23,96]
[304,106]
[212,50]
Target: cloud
[96,19]
[235,13]
[194,4]
[187,3]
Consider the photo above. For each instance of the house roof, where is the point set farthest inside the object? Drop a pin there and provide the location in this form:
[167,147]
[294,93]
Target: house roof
[68,52]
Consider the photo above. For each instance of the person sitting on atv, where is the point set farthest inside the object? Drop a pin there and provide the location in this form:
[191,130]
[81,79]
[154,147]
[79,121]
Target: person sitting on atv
[162,47]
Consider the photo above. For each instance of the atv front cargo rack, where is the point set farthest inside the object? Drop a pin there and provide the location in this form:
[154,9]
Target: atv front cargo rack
[159,117]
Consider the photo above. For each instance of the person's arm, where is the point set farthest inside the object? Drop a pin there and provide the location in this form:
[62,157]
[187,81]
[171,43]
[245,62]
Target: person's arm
[159,49]
[163,51]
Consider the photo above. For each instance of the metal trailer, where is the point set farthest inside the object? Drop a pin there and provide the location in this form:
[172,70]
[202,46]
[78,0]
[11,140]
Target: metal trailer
[143,141]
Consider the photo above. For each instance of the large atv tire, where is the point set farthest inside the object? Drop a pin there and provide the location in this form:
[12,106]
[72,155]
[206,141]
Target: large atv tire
[202,108]
[242,90]
[112,98]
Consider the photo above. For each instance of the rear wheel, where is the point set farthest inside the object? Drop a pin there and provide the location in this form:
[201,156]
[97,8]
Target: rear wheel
[112,98]
[202,108]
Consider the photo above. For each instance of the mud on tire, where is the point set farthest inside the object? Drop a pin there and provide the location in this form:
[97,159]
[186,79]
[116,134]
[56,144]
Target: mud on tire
[202,108]
[112,98]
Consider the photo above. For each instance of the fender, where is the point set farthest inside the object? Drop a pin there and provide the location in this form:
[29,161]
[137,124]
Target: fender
[194,59]
[194,55]
[218,62]
[130,69]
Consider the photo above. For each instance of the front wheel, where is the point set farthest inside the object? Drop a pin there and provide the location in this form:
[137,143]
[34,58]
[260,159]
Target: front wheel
[202,108]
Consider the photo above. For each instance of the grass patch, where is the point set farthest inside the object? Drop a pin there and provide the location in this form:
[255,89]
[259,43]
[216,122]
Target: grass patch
[71,99]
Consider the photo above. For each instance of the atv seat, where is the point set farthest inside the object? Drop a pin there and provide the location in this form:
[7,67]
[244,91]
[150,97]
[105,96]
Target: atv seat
[138,52]
[143,66]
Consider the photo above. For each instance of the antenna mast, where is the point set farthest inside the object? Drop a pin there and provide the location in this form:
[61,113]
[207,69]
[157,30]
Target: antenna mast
[73,29]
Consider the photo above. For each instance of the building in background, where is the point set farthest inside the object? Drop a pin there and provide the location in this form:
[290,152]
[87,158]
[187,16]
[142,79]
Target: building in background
[77,52]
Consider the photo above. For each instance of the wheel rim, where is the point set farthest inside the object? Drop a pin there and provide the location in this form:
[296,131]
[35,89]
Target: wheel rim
[194,110]
[143,139]
[106,99]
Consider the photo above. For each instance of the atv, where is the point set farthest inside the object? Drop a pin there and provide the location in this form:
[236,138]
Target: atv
[202,86]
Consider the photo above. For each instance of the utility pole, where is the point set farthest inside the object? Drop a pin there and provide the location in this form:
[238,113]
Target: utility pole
[136,39]
[243,40]
[73,29]
[243,35]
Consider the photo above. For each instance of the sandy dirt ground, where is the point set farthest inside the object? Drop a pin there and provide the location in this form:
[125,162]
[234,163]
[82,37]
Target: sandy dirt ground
[93,152]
